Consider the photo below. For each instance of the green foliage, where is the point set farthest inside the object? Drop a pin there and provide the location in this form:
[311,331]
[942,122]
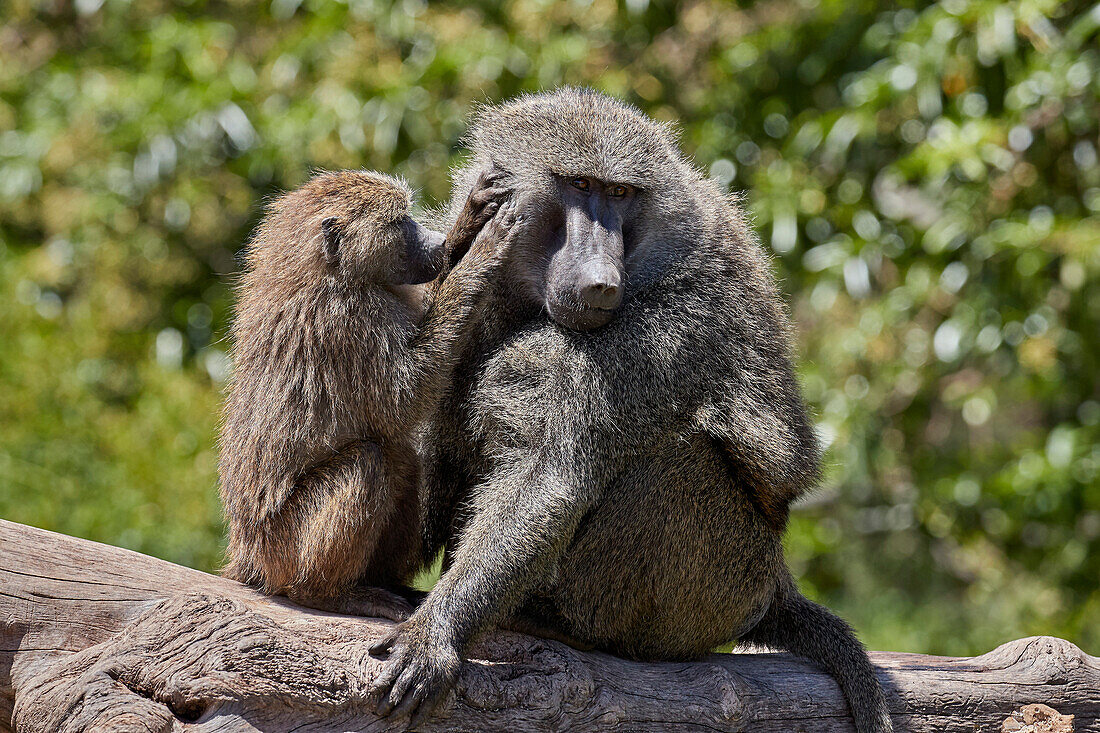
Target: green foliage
[925,173]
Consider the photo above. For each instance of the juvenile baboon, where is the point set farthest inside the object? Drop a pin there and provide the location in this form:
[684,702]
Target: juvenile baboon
[336,364]
[615,461]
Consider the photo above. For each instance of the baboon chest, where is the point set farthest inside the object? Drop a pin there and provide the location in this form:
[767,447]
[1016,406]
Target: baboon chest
[513,393]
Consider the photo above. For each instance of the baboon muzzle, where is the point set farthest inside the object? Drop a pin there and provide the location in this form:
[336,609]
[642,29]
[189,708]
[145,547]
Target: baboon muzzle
[596,236]
[423,252]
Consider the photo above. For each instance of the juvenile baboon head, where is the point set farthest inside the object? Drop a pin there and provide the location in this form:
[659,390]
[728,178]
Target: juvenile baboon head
[603,182]
[354,225]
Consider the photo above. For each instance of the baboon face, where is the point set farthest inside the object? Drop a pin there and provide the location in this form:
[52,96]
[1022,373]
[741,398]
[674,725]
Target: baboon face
[602,184]
[398,251]
[367,233]
[585,270]
[423,251]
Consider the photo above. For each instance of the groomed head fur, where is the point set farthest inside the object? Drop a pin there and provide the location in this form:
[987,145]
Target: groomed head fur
[353,225]
[570,132]
[608,188]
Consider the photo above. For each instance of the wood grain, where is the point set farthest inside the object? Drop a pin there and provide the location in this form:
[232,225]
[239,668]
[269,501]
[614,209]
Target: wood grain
[96,638]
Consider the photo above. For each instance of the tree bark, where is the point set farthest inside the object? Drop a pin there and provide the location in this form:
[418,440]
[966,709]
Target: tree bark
[96,638]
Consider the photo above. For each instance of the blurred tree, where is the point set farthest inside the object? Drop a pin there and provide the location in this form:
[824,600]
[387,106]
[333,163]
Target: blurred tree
[926,175]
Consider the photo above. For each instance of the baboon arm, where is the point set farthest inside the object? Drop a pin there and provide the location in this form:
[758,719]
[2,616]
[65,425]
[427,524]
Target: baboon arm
[435,348]
[770,446]
[750,402]
[524,517]
[449,320]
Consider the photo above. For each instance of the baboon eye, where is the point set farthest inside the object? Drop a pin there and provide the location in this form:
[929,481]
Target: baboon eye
[619,191]
[581,184]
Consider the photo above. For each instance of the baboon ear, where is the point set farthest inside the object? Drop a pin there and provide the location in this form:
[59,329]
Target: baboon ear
[330,235]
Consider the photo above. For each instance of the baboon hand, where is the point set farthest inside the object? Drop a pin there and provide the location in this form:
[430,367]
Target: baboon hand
[497,236]
[420,671]
[481,205]
[487,195]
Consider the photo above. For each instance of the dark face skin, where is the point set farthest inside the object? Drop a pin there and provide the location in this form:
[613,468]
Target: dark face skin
[585,276]
[423,252]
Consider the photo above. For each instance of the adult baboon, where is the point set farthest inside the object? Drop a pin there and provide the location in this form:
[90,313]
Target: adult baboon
[625,433]
[336,365]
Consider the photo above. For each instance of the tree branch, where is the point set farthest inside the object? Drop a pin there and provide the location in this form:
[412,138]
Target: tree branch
[95,637]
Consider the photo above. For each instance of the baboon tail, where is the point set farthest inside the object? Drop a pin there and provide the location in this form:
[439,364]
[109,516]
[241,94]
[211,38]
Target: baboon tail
[802,627]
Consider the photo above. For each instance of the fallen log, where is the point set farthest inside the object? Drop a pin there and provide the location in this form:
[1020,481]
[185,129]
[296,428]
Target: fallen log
[94,637]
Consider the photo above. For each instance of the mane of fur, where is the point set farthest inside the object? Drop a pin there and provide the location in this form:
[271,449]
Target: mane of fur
[693,250]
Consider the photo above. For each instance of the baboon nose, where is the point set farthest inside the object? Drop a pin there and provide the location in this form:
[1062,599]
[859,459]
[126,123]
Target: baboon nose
[601,287]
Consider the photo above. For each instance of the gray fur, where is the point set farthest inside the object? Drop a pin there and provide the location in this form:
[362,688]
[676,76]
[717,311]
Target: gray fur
[625,487]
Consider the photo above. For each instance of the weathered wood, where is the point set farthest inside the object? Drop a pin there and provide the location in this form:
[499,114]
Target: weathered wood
[94,637]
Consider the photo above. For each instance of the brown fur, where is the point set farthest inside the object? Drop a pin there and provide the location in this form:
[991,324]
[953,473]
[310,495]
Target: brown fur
[335,365]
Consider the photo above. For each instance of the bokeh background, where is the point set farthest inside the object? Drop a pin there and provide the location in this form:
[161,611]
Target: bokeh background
[925,174]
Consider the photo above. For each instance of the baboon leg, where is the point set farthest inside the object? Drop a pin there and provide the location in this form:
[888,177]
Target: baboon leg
[534,627]
[362,600]
[323,540]
[538,617]
[802,627]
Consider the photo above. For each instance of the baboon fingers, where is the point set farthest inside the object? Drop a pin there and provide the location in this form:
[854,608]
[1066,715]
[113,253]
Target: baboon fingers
[489,176]
[378,696]
[496,231]
[398,703]
[481,207]
[506,213]
[483,196]
[487,212]
[427,705]
[484,180]
[386,643]
[509,220]
[469,225]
